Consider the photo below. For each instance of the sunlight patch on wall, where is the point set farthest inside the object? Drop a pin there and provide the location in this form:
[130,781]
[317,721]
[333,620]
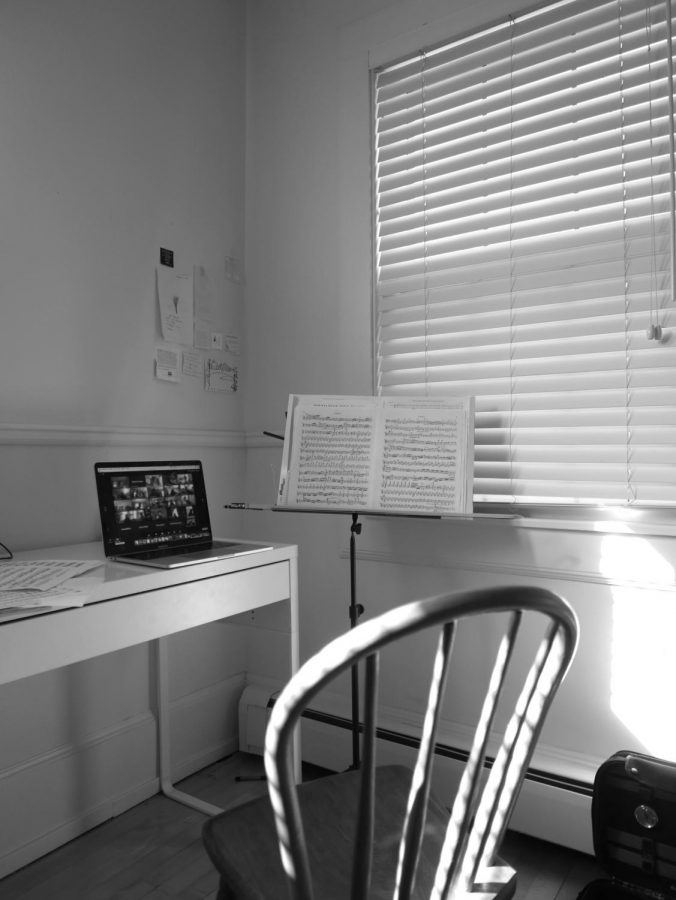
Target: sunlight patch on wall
[643,661]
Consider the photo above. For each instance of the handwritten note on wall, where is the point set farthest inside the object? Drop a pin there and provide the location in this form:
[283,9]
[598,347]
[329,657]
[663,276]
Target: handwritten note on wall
[220,376]
[196,343]
[176,301]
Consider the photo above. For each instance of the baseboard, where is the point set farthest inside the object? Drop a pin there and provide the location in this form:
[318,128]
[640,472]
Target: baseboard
[550,806]
[555,800]
[185,767]
[204,726]
[70,829]
[56,796]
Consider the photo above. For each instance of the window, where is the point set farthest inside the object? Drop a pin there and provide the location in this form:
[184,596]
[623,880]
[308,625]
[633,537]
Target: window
[523,207]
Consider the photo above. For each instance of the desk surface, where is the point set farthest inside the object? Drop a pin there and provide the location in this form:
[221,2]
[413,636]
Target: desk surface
[115,579]
[129,604]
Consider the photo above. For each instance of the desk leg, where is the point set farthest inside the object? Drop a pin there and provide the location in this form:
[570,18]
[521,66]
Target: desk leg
[164,735]
[294,660]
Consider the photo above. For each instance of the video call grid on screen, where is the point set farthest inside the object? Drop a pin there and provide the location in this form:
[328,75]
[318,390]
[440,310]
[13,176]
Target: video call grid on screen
[153,505]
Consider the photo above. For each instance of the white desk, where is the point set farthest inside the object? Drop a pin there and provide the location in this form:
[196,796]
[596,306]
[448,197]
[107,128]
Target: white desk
[133,605]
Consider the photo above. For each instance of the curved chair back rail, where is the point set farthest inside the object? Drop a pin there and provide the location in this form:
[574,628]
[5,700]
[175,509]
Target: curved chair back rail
[482,806]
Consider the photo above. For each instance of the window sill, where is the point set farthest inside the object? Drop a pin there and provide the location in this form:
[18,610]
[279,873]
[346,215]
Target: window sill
[655,521]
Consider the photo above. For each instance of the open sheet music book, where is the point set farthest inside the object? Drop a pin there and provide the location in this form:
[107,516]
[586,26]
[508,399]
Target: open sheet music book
[381,454]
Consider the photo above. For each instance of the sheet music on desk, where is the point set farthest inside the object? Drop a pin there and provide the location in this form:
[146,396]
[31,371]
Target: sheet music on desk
[33,599]
[38,584]
[41,574]
[388,454]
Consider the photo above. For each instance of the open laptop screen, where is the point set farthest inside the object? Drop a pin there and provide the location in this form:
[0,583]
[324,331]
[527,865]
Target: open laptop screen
[152,506]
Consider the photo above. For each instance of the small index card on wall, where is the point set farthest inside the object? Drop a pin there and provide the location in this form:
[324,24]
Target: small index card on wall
[167,364]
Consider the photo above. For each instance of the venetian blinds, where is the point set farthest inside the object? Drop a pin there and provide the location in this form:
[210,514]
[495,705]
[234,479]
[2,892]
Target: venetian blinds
[524,248]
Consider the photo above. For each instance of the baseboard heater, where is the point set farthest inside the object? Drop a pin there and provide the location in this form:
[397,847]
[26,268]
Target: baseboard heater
[555,807]
[445,750]
[256,703]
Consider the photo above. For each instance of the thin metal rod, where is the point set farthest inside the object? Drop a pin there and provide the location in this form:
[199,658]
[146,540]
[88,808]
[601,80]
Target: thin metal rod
[355,611]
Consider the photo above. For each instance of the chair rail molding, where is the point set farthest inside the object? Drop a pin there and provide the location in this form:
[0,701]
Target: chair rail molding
[115,436]
[499,567]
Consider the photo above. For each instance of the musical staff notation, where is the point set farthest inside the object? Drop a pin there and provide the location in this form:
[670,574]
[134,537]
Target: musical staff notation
[382,453]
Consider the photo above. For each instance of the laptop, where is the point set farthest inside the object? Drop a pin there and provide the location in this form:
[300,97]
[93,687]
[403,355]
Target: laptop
[156,514]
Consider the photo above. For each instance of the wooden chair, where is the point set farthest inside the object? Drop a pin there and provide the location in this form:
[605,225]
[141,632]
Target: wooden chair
[377,832]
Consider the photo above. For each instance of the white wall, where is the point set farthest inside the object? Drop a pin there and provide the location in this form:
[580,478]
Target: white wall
[308,307]
[123,130]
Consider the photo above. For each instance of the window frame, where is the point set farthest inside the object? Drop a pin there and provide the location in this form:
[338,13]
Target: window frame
[597,515]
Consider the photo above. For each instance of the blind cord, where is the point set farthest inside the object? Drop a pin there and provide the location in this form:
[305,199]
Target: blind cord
[672,153]
[512,276]
[654,332]
[631,492]
[423,86]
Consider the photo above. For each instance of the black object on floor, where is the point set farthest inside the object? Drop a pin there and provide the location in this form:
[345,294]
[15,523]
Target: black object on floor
[634,828]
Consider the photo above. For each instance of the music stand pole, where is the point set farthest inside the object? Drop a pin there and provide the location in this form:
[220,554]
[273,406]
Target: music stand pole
[356,609]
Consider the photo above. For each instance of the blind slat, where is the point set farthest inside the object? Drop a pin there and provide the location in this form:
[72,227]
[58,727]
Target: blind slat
[523,248]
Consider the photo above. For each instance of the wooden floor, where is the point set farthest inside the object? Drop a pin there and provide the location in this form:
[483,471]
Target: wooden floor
[154,852]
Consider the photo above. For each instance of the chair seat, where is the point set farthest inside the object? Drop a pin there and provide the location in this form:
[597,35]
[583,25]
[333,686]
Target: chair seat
[251,868]
[315,823]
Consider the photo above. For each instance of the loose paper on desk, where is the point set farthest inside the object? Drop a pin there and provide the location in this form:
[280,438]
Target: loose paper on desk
[41,574]
[34,599]
[385,454]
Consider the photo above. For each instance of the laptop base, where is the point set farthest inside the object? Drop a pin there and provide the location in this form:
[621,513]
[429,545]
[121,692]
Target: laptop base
[174,560]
